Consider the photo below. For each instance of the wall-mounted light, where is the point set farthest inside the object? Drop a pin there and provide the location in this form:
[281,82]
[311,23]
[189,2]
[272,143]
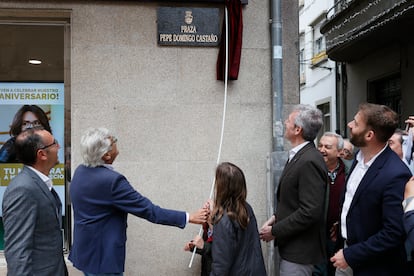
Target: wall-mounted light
[35,61]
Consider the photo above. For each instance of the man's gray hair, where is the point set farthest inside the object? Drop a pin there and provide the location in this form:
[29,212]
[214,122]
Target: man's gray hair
[309,118]
[95,142]
[339,139]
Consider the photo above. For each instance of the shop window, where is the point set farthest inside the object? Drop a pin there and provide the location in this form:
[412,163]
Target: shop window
[35,71]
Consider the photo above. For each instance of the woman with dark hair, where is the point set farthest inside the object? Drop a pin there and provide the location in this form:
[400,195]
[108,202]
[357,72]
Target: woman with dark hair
[28,116]
[236,248]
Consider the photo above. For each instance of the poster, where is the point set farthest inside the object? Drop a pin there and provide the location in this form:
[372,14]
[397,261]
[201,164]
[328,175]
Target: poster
[50,98]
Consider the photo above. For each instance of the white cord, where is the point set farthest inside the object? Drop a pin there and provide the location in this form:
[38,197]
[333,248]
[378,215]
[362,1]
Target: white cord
[224,118]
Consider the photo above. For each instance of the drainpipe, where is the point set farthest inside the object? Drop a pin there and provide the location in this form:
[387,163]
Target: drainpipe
[277,75]
[278,157]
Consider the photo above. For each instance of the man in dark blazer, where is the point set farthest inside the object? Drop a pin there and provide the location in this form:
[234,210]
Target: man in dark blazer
[371,211]
[101,200]
[32,210]
[299,224]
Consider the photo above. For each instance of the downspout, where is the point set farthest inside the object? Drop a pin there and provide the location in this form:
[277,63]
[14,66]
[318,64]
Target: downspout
[278,157]
[344,87]
[338,102]
[277,75]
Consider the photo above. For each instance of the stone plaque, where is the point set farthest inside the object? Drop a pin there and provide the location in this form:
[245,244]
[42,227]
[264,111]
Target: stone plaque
[188,26]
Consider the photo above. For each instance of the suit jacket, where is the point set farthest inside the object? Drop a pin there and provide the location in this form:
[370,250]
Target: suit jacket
[32,232]
[375,233]
[301,208]
[101,200]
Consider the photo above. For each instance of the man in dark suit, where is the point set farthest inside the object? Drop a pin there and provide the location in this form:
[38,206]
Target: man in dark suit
[32,210]
[101,200]
[299,225]
[371,212]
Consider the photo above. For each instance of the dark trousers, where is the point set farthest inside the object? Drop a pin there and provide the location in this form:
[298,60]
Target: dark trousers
[326,268]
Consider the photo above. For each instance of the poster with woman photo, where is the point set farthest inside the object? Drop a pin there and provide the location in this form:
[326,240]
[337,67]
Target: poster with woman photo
[25,105]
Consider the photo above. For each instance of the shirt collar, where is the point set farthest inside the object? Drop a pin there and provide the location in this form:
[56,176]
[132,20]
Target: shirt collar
[299,147]
[360,157]
[296,149]
[108,166]
[43,177]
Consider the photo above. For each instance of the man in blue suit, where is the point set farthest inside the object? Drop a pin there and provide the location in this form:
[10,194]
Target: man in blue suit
[371,212]
[101,200]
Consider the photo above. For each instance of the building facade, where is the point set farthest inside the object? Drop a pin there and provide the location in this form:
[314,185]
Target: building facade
[163,102]
[372,44]
[317,72]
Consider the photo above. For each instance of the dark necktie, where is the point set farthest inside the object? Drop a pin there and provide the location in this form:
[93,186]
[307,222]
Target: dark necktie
[58,204]
[57,200]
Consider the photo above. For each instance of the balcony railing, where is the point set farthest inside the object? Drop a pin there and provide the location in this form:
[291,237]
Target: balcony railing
[339,6]
[354,28]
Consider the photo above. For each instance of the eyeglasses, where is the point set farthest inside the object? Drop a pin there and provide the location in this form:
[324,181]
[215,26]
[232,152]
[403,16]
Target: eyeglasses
[55,142]
[31,124]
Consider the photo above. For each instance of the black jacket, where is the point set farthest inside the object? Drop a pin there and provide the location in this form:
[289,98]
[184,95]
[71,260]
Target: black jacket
[236,251]
[8,152]
[301,208]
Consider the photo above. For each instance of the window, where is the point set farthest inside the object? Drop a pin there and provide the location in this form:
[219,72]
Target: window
[326,111]
[43,35]
[319,47]
[302,62]
[387,91]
